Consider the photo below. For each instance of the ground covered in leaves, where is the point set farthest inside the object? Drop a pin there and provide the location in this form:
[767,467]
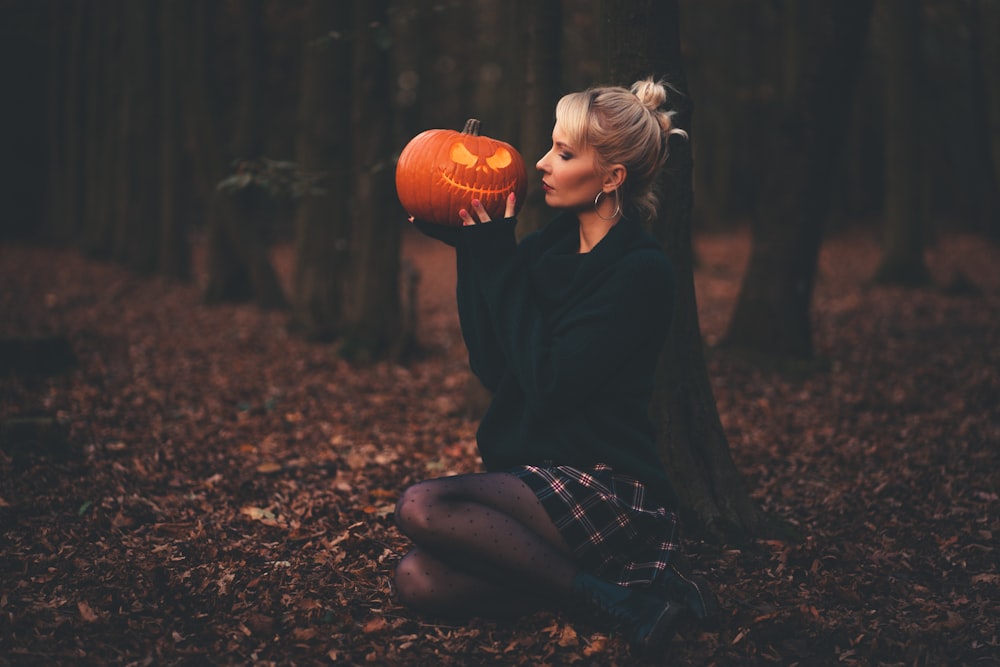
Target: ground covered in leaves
[227,489]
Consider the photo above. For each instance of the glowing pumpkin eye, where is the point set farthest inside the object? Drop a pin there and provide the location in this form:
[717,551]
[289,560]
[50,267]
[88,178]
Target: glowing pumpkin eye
[500,159]
[461,155]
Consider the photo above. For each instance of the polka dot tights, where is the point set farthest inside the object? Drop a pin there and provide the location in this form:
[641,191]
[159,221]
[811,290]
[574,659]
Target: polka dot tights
[484,545]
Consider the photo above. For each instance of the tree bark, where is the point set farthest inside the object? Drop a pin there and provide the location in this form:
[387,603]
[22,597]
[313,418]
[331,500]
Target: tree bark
[103,67]
[644,39]
[135,232]
[173,258]
[772,314]
[903,236]
[984,26]
[374,297]
[536,87]
[68,30]
[322,224]
[239,266]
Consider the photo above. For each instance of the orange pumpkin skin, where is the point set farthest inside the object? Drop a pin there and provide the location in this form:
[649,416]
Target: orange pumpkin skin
[442,171]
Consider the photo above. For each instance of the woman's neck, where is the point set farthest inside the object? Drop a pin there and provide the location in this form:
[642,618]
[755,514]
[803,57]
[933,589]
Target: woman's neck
[593,228]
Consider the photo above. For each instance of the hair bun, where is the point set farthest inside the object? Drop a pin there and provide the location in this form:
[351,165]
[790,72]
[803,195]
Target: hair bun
[654,96]
[652,93]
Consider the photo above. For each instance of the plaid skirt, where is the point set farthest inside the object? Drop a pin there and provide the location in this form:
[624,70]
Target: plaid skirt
[614,531]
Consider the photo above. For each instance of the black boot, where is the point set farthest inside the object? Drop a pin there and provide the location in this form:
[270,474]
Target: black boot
[648,621]
[679,584]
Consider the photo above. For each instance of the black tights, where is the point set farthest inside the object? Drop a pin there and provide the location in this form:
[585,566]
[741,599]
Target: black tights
[484,545]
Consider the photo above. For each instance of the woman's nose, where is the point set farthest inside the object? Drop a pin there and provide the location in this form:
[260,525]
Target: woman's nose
[540,165]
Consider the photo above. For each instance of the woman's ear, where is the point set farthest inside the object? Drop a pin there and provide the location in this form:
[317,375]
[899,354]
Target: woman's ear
[615,177]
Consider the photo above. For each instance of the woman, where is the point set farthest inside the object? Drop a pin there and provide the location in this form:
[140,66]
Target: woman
[565,329]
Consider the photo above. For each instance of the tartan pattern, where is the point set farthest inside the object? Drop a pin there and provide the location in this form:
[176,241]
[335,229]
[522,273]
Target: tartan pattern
[605,518]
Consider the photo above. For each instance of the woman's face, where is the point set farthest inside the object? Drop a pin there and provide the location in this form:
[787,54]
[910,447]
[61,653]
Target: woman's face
[569,175]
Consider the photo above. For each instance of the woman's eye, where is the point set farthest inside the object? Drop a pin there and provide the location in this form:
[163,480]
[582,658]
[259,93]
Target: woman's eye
[565,156]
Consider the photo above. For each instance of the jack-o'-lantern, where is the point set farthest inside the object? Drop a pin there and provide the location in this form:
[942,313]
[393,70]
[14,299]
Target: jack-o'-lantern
[442,171]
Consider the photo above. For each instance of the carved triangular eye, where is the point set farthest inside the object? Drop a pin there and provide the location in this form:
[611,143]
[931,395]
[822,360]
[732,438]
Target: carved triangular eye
[500,159]
[461,155]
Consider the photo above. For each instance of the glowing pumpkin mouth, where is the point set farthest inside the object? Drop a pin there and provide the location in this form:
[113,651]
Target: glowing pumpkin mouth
[478,190]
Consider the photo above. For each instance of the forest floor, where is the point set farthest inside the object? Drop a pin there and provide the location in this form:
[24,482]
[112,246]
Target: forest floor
[227,491]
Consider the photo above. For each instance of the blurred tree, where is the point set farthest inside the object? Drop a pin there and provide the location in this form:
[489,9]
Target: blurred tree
[410,25]
[373,300]
[135,143]
[643,38]
[737,59]
[24,55]
[238,265]
[772,314]
[983,18]
[323,146]
[173,255]
[491,27]
[198,102]
[535,87]
[448,56]
[581,55]
[903,238]
[103,96]
[68,43]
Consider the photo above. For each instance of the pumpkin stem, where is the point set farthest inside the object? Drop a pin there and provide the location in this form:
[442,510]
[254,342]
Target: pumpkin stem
[471,127]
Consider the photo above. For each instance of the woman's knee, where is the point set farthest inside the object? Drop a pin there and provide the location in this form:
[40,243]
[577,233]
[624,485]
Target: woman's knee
[415,587]
[413,509]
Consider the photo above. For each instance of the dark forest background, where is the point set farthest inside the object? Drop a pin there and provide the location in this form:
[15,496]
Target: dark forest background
[122,118]
[208,359]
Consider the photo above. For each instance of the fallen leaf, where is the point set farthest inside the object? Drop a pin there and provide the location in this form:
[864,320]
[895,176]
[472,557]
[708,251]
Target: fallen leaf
[567,637]
[376,624]
[596,644]
[86,613]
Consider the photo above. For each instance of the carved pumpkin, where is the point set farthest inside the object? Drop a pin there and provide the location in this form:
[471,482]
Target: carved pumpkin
[442,171]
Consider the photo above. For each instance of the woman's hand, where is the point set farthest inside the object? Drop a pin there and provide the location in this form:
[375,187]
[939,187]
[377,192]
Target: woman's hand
[481,213]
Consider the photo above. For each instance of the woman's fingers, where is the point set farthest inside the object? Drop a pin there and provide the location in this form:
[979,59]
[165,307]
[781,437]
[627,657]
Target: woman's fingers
[481,213]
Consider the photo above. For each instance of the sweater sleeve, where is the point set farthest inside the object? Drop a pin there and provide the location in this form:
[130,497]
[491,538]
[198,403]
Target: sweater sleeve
[562,363]
[445,233]
[486,357]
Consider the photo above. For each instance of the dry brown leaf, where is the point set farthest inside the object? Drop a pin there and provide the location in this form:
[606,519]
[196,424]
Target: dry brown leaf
[567,636]
[86,613]
[596,644]
[376,624]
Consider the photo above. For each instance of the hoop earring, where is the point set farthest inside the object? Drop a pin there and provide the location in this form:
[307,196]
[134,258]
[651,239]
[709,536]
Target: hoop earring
[615,213]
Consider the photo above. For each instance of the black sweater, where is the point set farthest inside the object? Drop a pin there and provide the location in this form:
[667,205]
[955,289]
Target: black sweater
[567,343]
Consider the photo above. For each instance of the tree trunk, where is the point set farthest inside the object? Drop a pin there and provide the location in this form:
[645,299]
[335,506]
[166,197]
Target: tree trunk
[719,141]
[644,39]
[68,30]
[903,241]
[24,56]
[103,67]
[239,267]
[984,22]
[374,300]
[410,27]
[173,257]
[537,83]
[322,223]
[135,232]
[773,309]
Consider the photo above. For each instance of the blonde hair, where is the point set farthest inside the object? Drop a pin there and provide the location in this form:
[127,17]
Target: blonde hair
[630,127]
